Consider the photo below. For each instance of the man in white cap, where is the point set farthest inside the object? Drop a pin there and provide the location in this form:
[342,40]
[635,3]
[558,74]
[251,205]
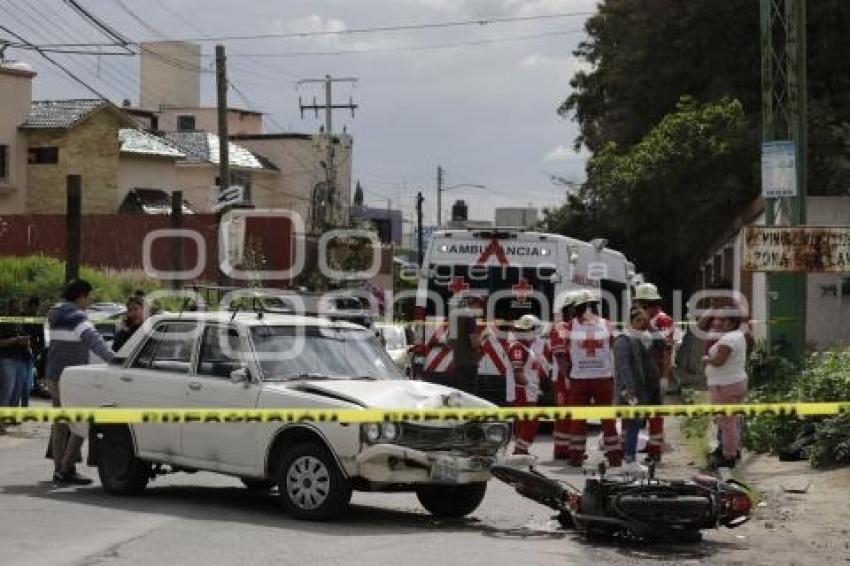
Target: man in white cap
[523,382]
[591,380]
[661,349]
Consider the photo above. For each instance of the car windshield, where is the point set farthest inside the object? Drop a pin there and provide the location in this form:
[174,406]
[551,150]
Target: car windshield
[393,337]
[289,353]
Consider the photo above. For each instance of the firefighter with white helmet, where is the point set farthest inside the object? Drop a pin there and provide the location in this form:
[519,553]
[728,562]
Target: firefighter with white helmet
[558,339]
[591,376]
[523,383]
[661,350]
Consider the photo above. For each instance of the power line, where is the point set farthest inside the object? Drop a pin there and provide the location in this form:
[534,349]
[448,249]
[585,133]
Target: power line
[433,46]
[57,64]
[383,29]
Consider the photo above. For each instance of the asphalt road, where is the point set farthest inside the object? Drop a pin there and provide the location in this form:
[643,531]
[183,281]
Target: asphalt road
[210,520]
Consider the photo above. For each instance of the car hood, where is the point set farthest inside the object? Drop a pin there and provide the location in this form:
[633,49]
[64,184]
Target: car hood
[389,394]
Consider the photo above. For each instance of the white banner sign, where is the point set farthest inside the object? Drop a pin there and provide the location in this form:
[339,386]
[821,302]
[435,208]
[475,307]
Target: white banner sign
[778,169]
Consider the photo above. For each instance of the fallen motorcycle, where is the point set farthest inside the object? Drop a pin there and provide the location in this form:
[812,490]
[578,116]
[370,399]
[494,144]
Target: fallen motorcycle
[636,509]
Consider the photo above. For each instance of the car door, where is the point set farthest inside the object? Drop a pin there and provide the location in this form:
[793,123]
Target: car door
[227,447]
[158,377]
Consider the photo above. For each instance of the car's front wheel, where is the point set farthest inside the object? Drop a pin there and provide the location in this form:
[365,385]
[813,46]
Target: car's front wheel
[120,471]
[451,501]
[311,484]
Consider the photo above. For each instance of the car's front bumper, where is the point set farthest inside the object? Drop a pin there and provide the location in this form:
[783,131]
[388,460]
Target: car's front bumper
[393,464]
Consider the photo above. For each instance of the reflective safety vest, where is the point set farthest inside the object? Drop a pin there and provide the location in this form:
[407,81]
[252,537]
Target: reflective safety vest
[590,349]
[525,371]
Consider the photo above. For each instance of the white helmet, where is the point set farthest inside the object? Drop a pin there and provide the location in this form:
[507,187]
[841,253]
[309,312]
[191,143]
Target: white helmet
[584,296]
[527,322]
[569,299]
[647,292]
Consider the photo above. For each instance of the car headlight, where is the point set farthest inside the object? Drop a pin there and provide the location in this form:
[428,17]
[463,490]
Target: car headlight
[497,434]
[371,432]
[391,431]
[381,432]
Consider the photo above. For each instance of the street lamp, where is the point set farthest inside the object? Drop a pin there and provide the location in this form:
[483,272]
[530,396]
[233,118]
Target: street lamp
[441,189]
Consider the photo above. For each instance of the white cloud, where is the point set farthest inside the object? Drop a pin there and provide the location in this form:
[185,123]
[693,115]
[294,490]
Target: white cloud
[536,60]
[560,153]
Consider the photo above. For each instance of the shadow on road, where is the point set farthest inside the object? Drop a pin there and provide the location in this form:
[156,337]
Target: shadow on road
[238,505]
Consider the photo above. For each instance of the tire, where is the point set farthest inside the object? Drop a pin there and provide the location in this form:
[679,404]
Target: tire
[259,486]
[451,501]
[120,471]
[311,485]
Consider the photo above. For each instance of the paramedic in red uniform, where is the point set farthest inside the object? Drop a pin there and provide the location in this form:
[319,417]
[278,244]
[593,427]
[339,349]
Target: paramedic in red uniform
[560,375]
[661,350]
[523,382]
[591,380]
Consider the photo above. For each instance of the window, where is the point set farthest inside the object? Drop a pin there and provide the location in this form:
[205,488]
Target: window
[4,162]
[43,155]
[169,348]
[185,122]
[221,350]
[287,352]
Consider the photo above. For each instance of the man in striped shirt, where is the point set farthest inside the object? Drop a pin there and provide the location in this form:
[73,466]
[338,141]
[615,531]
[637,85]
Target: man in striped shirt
[72,337]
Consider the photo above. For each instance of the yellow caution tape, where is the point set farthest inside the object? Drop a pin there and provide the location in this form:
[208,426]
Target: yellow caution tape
[113,415]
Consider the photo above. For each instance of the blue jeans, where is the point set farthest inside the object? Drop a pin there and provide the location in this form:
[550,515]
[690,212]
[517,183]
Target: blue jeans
[631,433]
[8,380]
[20,395]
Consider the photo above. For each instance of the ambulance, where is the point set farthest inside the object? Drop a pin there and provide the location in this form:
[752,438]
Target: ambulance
[505,273]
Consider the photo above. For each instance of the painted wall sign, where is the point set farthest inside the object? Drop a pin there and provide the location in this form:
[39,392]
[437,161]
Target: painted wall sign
[797,249]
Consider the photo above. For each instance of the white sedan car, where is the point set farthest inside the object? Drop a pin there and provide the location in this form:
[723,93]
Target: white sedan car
[279,361]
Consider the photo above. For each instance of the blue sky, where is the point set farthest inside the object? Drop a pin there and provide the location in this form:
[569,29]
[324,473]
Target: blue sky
[485,113]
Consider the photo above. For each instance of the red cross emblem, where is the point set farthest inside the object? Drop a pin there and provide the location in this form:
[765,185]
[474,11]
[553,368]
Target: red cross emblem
[494,248]
[522,290]
[458,285]
[590,344]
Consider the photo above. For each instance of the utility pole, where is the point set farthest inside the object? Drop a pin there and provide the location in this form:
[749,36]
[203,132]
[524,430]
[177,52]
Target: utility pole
[439,197]
[176,242]
[328,107]
[419,252]
[223,138]
[73,217]
[221,106]
[783,63]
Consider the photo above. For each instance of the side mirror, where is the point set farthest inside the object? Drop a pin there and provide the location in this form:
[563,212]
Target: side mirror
[241,375]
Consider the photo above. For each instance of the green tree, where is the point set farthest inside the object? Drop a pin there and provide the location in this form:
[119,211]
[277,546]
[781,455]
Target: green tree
[647,62]
[668,197]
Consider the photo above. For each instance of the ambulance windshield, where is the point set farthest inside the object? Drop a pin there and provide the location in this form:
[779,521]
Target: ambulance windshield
[507,290]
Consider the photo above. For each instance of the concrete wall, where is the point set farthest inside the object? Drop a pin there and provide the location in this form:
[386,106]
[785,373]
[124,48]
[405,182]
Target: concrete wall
[828,311]
[15,94]
[206,119]
[170,74]
[195,180]
[299,157]
[145,172]
[90,149]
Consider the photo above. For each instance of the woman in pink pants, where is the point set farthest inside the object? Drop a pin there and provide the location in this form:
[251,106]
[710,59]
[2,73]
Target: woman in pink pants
[726,373]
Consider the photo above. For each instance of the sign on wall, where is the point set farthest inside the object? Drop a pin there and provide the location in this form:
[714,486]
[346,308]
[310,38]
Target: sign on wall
[778,169]
[797,249]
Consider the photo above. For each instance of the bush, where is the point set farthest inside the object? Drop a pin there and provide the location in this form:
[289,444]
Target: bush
[44,276]
[832,442]
[825,377]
